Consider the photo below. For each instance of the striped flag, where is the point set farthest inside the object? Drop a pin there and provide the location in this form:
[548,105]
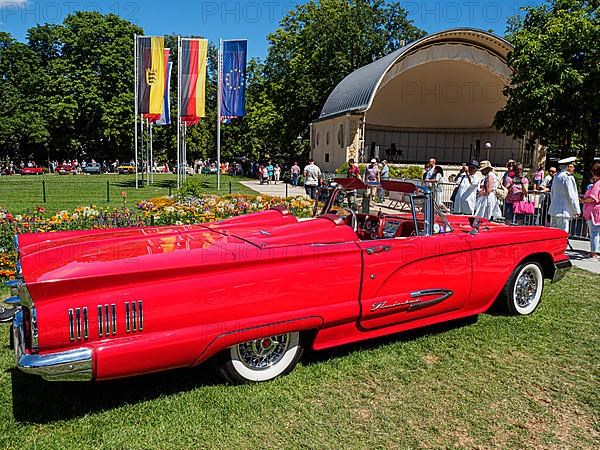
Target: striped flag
[165,118]
[151,74]
[193,79]
[159,119]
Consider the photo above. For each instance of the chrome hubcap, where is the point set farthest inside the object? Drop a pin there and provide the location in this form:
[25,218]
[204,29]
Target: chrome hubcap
[526,288]
[263,353]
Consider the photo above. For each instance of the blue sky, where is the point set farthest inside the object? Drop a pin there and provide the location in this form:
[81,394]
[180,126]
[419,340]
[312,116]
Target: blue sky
[252,19]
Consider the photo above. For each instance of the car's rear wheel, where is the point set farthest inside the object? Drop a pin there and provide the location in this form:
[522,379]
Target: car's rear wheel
[523,291]
[261,359]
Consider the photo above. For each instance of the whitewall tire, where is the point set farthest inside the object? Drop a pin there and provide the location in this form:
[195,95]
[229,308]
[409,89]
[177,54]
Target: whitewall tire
[523,291]
[261,359]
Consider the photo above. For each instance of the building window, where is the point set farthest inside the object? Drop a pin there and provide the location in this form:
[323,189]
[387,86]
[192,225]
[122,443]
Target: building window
[340,136]
[317,140]
[326,157]
[327,138]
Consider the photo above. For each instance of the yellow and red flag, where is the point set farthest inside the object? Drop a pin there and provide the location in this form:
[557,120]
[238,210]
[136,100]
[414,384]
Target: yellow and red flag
[151,75]
[193,79]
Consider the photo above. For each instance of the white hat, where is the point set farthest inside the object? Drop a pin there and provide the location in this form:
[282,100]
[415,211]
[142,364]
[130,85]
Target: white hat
[374,161]
[569,160]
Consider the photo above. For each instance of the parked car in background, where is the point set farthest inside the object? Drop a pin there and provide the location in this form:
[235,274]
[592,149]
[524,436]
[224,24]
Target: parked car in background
[125,169]
[254,290]
[32,171]
[208,170]
[64,169]
[93,169]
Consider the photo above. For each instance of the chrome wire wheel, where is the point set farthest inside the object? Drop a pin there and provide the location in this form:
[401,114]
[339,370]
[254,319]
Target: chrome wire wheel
[527,288]
[262,359]
[263,353]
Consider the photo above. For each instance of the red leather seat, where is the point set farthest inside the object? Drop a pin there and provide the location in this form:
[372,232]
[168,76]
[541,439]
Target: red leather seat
[406,229]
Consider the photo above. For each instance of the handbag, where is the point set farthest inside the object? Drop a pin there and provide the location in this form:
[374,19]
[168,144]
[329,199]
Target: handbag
[523,207]
[455,191]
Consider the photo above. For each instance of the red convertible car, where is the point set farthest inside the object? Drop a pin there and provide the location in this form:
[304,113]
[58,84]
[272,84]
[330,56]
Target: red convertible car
[253,291]
[32,171]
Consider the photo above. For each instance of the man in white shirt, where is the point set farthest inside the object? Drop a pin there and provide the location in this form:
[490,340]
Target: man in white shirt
[312,175]
[468,184]
[564,199]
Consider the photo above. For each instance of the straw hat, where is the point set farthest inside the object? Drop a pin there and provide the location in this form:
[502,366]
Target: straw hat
[485,165]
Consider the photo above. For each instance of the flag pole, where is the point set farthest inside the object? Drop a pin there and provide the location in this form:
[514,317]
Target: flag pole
[151,165]
[178,106]
[135,75]
[184,153]
[219,100]
[143,146]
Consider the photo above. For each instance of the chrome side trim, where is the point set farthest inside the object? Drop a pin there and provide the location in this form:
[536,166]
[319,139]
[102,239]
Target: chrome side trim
[71,326]
[107,320]
[133,317]
[114,318]
[71,365]
[141,315]
[443,295]
[85,323]
[127,318]
[100,324]
[78,319]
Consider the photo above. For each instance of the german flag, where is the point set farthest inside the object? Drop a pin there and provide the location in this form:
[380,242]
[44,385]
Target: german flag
[151,74]
[193,79]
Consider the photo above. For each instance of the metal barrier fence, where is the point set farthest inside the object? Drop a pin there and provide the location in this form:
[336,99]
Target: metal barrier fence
[540,200]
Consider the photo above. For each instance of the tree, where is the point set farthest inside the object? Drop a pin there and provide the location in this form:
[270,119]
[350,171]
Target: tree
[23,128]
[317,45]
[553,93]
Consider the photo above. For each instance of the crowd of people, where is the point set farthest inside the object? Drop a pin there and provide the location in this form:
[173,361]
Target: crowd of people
[481,191]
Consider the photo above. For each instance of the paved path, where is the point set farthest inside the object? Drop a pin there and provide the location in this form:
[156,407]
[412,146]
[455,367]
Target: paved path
[578,253]
[278,189]
[579,256]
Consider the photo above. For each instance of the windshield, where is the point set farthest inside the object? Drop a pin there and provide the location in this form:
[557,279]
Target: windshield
[368,208]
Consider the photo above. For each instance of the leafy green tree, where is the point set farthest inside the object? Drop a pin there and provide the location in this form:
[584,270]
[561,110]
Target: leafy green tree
[317,45]
[23,128]
[553,93]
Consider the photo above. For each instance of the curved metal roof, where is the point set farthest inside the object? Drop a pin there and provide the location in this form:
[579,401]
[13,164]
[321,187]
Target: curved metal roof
[356,91]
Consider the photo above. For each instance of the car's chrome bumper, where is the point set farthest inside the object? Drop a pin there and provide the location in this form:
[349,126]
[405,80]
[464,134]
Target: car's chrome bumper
[71,365]
[560,269]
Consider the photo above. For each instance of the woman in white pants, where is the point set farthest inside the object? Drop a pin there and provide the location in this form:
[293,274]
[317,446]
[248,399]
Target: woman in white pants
[487,202]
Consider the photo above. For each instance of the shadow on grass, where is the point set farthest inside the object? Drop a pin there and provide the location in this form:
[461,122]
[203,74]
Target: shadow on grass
[38,401]
[315,357]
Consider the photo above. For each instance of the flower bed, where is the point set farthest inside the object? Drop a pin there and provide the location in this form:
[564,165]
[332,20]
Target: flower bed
[158,211]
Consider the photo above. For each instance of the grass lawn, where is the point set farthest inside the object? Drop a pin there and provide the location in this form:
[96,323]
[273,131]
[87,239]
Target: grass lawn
[21,193]
[496,382]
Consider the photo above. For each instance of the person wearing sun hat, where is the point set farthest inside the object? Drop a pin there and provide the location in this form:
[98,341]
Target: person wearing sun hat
[468,183]
[564,198]
[487,202]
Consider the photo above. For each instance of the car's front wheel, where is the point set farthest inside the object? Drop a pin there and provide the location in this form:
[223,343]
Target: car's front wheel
[523,291]
[261,359]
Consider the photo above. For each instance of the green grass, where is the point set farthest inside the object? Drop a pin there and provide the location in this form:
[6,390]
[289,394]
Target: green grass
[22,193]
[497,382]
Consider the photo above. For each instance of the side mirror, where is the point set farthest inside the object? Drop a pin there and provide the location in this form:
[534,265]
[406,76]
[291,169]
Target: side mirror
[475,224]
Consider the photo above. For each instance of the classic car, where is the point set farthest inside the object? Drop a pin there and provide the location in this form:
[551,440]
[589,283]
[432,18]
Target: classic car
[64,169]
[93,169]
[32,171]
[126,169]
[253,291]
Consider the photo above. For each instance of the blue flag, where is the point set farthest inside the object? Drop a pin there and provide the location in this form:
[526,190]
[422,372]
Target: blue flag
[233,79]
[165,117]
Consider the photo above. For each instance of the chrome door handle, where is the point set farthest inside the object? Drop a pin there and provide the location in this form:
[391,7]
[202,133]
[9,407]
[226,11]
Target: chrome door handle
[378,249]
